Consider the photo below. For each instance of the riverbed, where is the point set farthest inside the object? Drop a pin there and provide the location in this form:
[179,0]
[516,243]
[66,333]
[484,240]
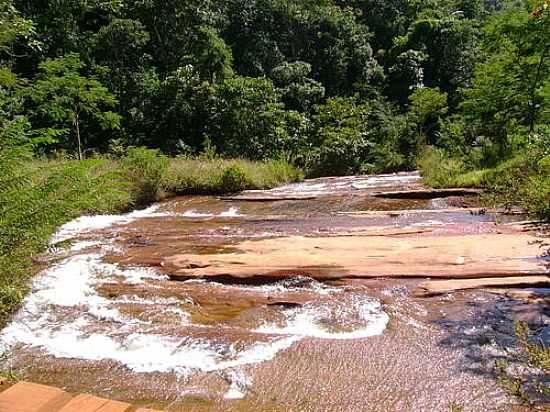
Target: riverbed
[255,302]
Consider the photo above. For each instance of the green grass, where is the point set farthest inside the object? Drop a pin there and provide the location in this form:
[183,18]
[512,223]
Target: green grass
[37,196]
[217,176]
[523,180]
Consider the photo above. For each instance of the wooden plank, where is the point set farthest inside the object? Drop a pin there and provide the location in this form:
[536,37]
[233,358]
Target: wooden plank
[439,287]
[84,403]
[147,410]
[115,406]
[31,397]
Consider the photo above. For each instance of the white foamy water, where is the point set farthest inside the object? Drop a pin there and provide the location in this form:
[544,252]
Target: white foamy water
[355,319]
[86,224]
[70,284]
[344,183]
[386,181]
[231,212]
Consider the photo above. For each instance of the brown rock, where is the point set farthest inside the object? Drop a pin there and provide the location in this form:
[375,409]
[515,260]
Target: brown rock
[451,257]
[427,193]
[439,287]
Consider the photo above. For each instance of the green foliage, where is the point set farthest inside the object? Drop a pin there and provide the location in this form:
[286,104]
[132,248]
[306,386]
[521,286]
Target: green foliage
[234,179]
[349,135]
[298,91]
[523,180]
[12,25]
[34,200]
[211,55]
[249,119]
[145,169]
[427,107]
[511,87]
[340,144]
[206,176]
[527,383]
[437,169]
[65,99]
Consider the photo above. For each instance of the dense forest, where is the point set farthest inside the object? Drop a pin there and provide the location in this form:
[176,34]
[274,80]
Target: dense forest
[334,86]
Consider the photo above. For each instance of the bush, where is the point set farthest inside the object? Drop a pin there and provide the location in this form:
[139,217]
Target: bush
[523,180]
[188,176]
[37,197]
[437,168]
[145,169]
[234,179]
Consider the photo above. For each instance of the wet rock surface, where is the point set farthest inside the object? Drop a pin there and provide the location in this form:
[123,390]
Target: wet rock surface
[168,308]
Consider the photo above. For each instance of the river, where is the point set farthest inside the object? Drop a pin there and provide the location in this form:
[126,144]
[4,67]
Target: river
[277,300]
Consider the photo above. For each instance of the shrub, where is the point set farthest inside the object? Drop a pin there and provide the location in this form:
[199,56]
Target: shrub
[234,179]
[146,170]
[438,169]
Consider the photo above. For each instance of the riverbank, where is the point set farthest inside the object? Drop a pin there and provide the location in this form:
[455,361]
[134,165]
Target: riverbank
[523,180]
[40,195]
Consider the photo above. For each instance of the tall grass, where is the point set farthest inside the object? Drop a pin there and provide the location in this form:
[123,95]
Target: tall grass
[523,180]
[215,176]
[36,196]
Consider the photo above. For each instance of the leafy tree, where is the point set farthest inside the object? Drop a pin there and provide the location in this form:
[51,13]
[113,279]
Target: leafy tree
[248,119]
[438,50]
[265,34]
[339,143]
[512,87]
[12,25]
[427,107]
[298,90]
[65,97]
[211,55]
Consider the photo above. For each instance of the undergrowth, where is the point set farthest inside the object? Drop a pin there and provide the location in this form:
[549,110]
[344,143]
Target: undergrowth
[528,378]
[522,179]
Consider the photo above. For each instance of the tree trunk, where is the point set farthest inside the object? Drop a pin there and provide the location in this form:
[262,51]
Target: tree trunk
[77,128]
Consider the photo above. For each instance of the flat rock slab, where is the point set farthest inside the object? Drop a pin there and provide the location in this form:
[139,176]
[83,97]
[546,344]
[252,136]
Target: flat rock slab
[534,294]
[450,257]
[268,198]
[405,212]
[440,287]
[427,193]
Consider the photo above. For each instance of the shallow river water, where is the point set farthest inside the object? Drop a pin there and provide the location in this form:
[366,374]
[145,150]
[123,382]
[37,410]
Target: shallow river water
[105,316]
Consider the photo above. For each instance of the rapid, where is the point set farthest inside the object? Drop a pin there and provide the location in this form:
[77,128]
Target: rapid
[297,298]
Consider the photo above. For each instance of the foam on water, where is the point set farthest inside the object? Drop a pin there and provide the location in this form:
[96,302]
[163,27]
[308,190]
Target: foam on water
[90,223]
[348,182]
[355,319]
[231,212]
[239,382]
[193,213]
[71,284]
